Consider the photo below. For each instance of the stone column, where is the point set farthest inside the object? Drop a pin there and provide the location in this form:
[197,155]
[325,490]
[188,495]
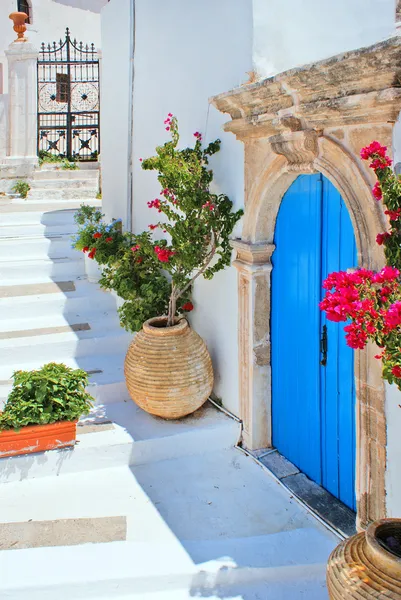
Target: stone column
[22,108]
[253,263]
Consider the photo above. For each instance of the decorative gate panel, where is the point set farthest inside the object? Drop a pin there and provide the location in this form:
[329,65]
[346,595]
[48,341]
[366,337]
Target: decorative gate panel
[69,100]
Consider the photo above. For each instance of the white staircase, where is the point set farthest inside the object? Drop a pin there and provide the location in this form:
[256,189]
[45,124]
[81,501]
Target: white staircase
[54,183]
[200,518]
[48,309]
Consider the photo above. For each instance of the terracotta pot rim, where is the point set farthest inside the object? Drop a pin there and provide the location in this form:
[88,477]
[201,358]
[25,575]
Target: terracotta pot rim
[375,546]
[18,14]
[151,328]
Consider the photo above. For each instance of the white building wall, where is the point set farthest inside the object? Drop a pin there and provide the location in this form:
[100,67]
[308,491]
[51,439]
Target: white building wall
[50,19]
[290,33]
[185,52]
[115,107]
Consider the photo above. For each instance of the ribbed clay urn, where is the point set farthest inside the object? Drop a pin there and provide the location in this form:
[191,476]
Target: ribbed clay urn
[168,370]
[367,565]
[19,19]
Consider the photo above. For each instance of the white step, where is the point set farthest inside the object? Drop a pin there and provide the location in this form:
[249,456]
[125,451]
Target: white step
[209,523]
[31,271]
[36,247]
[135,438]
[60,212]
[64,227]
[59,193]
[104,337]
[66,175]
[76,183]
[106,375]
[86,296]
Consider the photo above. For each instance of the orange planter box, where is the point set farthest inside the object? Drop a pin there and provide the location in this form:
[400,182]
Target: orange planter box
[37,438]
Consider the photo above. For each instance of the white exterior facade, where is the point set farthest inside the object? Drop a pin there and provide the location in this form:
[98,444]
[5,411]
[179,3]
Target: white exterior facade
[184,53]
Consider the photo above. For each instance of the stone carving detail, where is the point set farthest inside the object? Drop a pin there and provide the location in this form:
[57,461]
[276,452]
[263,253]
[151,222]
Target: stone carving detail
[300,148]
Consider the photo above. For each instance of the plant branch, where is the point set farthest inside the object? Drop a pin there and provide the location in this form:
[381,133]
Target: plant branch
[202,269]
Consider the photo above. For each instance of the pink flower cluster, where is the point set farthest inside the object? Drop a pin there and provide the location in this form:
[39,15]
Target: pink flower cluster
[169,195]
[198,136]
[152,227]
[363,297]
[163,254]
[377,152]
[167,122]
[209,205]
[155,204]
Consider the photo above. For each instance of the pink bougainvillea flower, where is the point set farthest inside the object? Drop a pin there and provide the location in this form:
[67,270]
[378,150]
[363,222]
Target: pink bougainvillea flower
[209,205]
[373,148]
[135,248]
[92,253]
[155,204]
[393,316]
[381,163]
[393,214]
[167,128]
[382,237]
[377,191]
[97,235]
[188,306]
[141,159]
[152,227]
[396,371]
[139,260]
[170,115]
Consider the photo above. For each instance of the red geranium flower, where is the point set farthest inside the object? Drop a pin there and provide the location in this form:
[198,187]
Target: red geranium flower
[85,249]
[92,253]
[109,239]
[188,306]
[97,235]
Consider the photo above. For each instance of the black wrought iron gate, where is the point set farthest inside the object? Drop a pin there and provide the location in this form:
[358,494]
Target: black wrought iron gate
[68,100]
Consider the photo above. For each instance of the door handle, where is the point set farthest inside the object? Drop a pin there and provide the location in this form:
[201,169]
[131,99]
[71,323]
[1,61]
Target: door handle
[323,346]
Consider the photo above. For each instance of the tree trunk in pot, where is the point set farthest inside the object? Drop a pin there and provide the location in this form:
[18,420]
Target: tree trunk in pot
[367,565]
[168,370]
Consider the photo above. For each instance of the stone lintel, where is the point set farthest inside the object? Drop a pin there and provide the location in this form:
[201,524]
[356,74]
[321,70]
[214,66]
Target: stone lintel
[357,87]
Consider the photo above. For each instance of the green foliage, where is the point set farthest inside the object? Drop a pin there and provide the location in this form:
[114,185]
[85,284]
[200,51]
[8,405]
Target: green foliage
[50,394]
[48,157]
[197,221]
[22,188]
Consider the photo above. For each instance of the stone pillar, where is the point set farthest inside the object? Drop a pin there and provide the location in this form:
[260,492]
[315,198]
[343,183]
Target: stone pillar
[22,108]
[253,263]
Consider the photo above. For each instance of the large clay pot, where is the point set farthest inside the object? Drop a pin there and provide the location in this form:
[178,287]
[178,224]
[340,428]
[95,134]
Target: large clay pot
[367,565]
[168,370]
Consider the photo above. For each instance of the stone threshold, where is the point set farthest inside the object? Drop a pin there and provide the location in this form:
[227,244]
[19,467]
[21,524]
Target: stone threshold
[33,289]
[9,335]
[62,532]
[331,510]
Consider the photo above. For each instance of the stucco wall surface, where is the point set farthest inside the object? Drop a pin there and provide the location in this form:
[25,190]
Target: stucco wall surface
[115,105]
[290,33]
[50,19]
[185,52]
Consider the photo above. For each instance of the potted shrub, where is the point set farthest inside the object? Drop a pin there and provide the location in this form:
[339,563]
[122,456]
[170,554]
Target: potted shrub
[42,410]
[371,303]
[168,368]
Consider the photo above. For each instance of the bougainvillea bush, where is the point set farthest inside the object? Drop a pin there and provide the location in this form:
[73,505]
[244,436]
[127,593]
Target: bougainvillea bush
[371,301]
[154,276]
[197,222]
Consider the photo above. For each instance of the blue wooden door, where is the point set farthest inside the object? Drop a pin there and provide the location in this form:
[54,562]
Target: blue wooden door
[313,405]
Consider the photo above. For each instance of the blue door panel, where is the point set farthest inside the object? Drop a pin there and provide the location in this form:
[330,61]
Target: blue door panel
[313,405]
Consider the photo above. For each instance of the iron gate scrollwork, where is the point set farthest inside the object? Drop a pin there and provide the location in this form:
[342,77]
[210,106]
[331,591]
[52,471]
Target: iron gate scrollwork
[69,100]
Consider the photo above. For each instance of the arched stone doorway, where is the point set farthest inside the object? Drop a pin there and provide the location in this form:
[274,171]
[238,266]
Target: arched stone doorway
[299,122]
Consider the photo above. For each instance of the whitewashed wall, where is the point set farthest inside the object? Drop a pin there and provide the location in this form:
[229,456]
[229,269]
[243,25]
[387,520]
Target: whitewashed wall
[50,19]
[290,33]
[185,52]
[115,107]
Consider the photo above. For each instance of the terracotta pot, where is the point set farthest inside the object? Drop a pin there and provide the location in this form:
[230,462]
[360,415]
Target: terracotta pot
[37,438]
[367,565]
[19,19]
[168,370]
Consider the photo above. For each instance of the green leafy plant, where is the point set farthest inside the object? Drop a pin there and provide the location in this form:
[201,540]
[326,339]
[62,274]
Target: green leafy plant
[48,157]
[198,222]
[50,394]
[95,237]
[22,188]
